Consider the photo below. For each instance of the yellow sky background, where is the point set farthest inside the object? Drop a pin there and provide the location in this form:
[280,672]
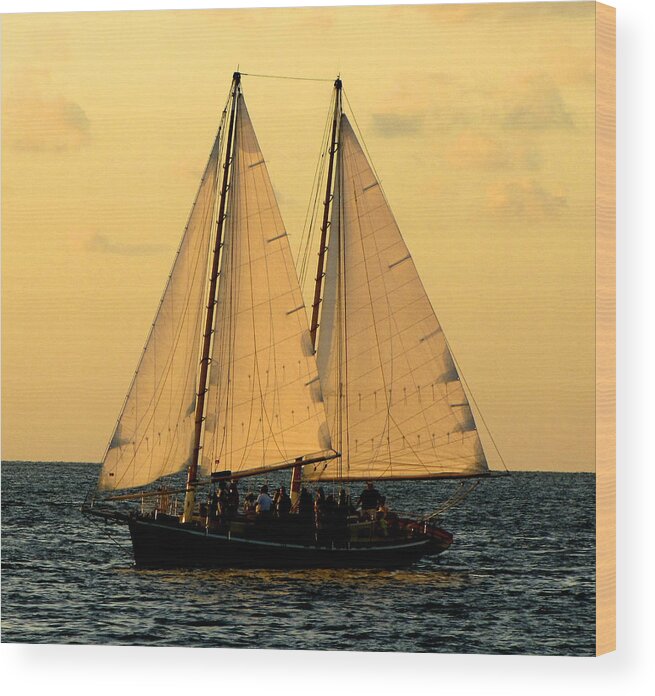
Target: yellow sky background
[479,120]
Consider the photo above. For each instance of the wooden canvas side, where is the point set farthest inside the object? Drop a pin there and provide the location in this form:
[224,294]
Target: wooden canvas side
[605,329]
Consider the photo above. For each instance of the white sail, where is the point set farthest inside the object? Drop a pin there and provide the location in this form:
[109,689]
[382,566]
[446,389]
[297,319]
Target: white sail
[154,434]
[264,406]
[394,401]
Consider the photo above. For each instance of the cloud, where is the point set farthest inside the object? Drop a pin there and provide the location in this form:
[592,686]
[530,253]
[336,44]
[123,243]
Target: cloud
[537,105]
[102,244]
[524,198]
[390,125]
[37,117]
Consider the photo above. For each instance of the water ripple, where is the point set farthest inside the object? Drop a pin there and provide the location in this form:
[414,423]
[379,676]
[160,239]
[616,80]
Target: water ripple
[519,578]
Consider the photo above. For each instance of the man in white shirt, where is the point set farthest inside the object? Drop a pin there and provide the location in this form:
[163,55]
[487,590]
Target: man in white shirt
[264,501]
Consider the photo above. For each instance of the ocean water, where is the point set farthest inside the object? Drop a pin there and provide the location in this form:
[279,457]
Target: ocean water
[518,579]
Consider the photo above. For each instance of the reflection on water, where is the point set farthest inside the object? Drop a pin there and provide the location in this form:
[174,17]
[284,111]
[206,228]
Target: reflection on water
[384,580]
[519,578]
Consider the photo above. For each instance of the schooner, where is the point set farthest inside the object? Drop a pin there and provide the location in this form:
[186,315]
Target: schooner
[233,382]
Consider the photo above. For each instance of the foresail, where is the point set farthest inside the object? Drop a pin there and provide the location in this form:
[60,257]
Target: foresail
[264,404]
[394,400]
[154,434]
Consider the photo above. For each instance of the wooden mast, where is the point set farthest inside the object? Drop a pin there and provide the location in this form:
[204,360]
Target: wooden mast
[192,475]
[296,475]
[326,213]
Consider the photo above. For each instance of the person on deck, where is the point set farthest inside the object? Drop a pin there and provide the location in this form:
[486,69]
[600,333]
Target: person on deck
[233,499]
[319,506]
[283,504]
[369,499]
[381,517]
[305,505]
[330,508]
[249,504]
[212,506]
[343,501]
[344,508]
[331,521]
[264,502]
[222,499]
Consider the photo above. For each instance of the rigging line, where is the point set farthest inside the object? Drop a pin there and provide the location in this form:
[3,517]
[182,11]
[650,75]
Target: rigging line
[223,314]
[217,141]
[342,234]
[161,300]
[363,142]
[178,329]
[191,368]
[238,255]
[109,536]
[367,285]
[228,268]
[235,293]
[206,218]
[446,340]
[198,328]
[308,225]
[388,418]
[253,146]
[461,493]
[310,217]
[461,374]
[256,376]
[290,77]
[337,320]
[153,403]
[301,319]
[310,233]
[272,353]
[392,320]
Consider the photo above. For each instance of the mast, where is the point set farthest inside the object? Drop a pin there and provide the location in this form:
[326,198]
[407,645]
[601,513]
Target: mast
[192,476]
[296,475]
[326,213]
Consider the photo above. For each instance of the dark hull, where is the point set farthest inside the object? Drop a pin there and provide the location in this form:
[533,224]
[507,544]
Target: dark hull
[161,545]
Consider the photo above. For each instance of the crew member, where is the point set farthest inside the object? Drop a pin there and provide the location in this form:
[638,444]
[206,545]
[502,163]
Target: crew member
[283,503]
[264,502]
[369,499]
[233,499]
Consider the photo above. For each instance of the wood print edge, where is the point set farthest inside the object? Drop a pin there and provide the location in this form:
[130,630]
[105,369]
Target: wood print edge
[605,328]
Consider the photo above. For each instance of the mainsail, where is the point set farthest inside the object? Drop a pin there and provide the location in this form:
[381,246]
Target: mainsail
[395,404]
[264,406]
[154,433]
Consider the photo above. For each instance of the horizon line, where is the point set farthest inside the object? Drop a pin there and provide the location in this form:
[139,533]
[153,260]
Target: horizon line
[512,471]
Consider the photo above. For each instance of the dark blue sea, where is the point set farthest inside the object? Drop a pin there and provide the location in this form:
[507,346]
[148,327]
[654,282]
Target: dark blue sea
[518,579]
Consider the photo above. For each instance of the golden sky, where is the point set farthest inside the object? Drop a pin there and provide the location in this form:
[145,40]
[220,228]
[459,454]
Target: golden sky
[478,118]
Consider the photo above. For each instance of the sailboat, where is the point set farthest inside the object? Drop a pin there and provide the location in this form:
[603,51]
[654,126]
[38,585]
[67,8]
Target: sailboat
[235,383]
